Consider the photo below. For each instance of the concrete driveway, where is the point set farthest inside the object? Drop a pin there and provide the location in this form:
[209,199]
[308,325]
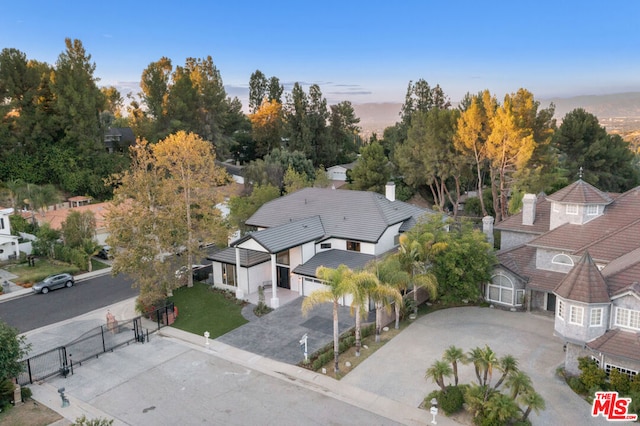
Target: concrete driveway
[396,371]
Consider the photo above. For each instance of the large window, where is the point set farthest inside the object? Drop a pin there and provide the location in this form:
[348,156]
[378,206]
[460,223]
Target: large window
[575,315]
[282,258]
[229,274]
[596,317]
[572,209]
[353,246]
[500,290]
[560,309]
[592,209]
[627,318]
[628,372]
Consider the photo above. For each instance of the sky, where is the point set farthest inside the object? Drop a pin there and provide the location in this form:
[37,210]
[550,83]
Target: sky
[360,51]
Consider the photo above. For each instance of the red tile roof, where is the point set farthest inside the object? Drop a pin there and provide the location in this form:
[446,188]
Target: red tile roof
[617,342]
[584,283]
[580,192]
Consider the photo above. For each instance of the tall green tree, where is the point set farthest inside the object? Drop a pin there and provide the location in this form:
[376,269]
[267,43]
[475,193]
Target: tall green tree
[258,85]
[437,373]
[390,273]
[243,207]
[343,132]
[454,355]
[337,283]
[297,123]
[323,147]
[78,227]
[605,160]
[371,172]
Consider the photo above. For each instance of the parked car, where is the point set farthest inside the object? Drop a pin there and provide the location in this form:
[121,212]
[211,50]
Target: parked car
[53,282]
[105,252]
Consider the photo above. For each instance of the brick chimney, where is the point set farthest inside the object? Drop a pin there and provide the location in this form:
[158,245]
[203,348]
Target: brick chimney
[528,209]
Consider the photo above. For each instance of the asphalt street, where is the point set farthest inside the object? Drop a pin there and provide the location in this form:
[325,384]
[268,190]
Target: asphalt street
[37,310]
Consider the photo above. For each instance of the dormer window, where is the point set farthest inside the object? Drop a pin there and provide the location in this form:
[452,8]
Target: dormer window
[562,259]
[572,209]
[592,209]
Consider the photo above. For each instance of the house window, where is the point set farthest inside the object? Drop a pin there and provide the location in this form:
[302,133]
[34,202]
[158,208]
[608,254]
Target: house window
[575,315]
[500,290]
[396,240]
[556,207]
[325,245]
[560,309]
[1,222]
[627,318]
[229,274]
[596,317]
[592,209]
[353,246]
[609,367]
[572,209]
[282,258]
[562,259]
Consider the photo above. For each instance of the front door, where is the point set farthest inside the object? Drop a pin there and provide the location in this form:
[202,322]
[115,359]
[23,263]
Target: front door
[283,277]
[551,302]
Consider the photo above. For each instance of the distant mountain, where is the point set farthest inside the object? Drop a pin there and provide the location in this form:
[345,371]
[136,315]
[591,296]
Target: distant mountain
[618,112]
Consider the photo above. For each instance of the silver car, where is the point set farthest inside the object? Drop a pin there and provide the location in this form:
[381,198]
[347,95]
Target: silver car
[52,282]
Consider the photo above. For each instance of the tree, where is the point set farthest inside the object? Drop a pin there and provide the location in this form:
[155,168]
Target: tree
[390,273]
[271,170]
[437,372]
[518,382]
[337,286]
[294,181]
[191,184]
[46,240]
[242,208]
[454,355]
[258,85]
[78,227]
[167,200]
[267,124]
[14,349]
[508,365]
[472,132]
[416,252]
[361,285]
[343,132]
[510,146]
[154,83]
[371,172]
[297,125]
[587,151]
[533,401]
[500,409]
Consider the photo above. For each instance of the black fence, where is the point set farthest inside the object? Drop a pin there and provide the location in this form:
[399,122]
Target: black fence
[60,361]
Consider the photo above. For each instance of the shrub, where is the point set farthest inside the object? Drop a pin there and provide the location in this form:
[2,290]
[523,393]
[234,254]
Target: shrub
[591,375]
[634,384]
[25,393]
[576,385]
[451,400]
[619,381]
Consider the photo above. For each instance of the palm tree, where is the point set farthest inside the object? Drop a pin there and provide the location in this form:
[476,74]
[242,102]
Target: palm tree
[474,399]
[437,372]
[519,382]
[383,295]
[475,356]
[360,285]
[392,279]
[489,360]
[500,409]
[508,364]
[533,400]
[415,255]
[336,281]
[91,248]
[454,355]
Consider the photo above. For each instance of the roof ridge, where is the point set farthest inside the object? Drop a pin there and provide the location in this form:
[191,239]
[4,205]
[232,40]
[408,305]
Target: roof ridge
[604,237]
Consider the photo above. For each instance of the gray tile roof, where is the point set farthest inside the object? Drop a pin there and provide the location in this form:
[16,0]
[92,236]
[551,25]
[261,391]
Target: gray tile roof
[248,258]
[353,215]
[287,235]
[332,259]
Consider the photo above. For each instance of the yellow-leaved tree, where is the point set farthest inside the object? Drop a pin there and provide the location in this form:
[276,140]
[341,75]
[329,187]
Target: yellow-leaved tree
[266,124]
[164,204]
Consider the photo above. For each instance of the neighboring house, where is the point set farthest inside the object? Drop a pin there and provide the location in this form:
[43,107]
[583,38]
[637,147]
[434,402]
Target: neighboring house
[236,171]
[338,173]
[119,139]
[9,244]
[576,253]
[310,228]
[55,217]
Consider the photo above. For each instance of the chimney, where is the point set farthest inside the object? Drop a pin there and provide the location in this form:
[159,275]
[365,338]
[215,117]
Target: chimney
[390,191]
[528,209]
[487,228]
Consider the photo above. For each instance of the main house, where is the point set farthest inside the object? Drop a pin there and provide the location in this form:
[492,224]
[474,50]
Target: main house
[576,253]
[9,244]
[309,228]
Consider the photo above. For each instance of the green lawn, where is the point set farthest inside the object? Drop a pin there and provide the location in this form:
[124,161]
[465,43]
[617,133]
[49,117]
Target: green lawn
[202,309]
[45,267]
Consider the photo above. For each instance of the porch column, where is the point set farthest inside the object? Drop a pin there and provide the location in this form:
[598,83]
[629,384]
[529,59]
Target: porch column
[275,302]
[239,292]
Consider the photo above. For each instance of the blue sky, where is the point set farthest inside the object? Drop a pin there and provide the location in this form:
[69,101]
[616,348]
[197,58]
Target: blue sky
[357,51]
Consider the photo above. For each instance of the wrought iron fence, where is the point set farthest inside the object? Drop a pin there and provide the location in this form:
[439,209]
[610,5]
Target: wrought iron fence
[105,338]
